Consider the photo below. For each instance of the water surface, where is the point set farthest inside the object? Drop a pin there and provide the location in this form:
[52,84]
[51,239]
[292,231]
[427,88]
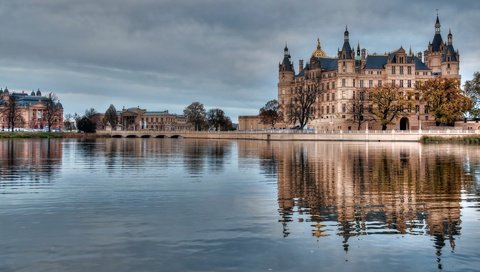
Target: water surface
[198,205]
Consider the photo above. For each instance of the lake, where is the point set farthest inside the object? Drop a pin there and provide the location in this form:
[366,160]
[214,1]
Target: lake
[207,205]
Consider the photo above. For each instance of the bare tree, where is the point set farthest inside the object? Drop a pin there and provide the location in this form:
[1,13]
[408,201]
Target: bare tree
[270,114]
[218,120]
[300,108]
[196,115]
[11,111]
[53,110]
[359,109]
[68,122]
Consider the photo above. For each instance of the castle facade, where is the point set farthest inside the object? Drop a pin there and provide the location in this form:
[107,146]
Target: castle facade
[343,78]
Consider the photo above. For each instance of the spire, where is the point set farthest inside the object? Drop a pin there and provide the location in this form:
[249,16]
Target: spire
[318,53]
[410,52]
[286,64]
[358,49]
[437,25]
[347,51]
[450,36]
[345,34]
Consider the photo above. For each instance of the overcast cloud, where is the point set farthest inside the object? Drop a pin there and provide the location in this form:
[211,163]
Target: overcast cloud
[163,55]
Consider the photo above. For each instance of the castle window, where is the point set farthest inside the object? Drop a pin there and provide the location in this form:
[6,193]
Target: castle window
[409,70]
[393,82]
[333,96]
[328,96]
[344,108]
[328,109]
[353,96]
[343,82]
[353,83]
[333,85]
[401,83]
[393,70]
[426,110]
[361,83]
[328,85]
[409,83]
[417,108]
[417,96]
[401,70]
[370,83]
[380,83]
[333,109]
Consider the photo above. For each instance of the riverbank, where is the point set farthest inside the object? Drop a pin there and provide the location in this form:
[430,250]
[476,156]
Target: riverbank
[48,135]
[426,137]
[294,135]
[469,139]
[30,135]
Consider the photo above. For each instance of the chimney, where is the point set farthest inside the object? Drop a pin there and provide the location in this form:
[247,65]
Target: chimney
[364,53]
[300,65]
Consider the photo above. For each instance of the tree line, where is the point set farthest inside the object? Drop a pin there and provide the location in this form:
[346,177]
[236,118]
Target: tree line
[201,119]
[442,97]
[195,113]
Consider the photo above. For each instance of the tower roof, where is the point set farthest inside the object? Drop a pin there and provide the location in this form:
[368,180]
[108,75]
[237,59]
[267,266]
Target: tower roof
[318,52]
[437,39]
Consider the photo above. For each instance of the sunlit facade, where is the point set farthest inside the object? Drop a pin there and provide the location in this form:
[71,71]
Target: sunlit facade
[342,79]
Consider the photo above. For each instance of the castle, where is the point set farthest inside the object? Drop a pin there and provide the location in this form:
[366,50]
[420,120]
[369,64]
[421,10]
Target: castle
[341,79]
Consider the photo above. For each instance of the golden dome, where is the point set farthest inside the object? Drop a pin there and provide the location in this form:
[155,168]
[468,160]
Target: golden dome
[319,52]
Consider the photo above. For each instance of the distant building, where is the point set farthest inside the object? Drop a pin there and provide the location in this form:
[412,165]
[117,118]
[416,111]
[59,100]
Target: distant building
[251,122]
[138,119]
[32,111]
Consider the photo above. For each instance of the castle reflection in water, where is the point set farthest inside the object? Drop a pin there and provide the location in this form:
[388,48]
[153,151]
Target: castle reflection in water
[353,189]
[345,189]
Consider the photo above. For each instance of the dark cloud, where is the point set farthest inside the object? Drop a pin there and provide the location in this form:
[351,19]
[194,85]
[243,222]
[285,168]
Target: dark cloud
[166,54]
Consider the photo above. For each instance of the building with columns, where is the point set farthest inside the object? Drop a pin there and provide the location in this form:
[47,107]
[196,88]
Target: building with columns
[141,119]
[343,78]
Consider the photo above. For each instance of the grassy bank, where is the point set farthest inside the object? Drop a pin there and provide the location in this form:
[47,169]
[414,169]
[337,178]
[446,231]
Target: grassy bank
[49,135]
[30,135]
[470,139]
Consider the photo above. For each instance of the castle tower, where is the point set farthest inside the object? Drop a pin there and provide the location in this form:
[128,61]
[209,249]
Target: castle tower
[433,54]
[286,76]
[346,57]
[285,68]
[450,59]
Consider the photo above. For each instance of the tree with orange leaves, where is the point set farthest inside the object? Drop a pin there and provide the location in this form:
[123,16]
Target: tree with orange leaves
[388,103]
[444,99]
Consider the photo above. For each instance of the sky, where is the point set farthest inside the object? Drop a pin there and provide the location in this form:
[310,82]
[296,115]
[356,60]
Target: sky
[164,55]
